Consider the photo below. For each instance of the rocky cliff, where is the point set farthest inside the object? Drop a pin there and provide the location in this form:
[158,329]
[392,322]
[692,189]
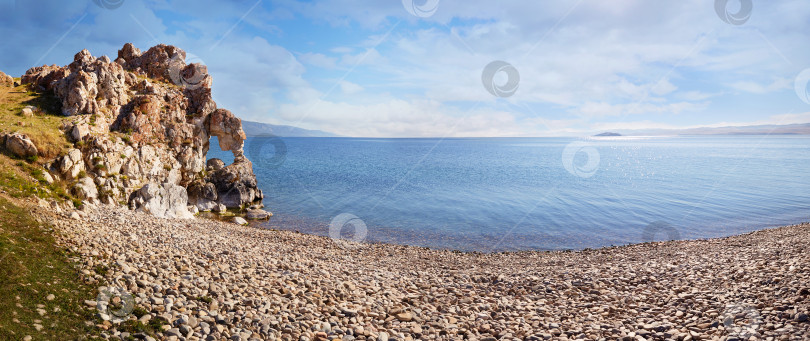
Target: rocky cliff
[141,126]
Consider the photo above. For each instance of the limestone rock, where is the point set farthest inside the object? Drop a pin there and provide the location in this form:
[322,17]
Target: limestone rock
[6,80]
[47,177]
[239,221]
[203,195]
[19,145]
[70,165]
[228,129]
[85,189]
[235,184]
[27,112]
[162,201]
[213,165]
[208,206]
[79,131]
[160,132]
[44,78]
[258,214]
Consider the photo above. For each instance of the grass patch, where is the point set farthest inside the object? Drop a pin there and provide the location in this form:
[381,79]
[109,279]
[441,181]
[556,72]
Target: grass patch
[32,267]
[135,326]
[101,269]
[43,127]
[28,180]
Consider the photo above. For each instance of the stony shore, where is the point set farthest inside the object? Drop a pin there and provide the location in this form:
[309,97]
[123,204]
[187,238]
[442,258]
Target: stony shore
[213,280]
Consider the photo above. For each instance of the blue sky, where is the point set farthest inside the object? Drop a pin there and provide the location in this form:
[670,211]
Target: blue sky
[372,68]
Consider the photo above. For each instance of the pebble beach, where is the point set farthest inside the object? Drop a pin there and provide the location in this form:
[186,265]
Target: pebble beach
[211,280]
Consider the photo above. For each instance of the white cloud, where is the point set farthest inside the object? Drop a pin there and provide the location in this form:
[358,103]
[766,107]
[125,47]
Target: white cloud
[394,117]
[757,88]
[593,110]
[350,88]
[581,64]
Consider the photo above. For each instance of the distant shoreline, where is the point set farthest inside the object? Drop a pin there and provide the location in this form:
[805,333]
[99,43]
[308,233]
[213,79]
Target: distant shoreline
[524,137]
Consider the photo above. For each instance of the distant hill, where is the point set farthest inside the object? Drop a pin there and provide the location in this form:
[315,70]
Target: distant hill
[788,129]
[262,129]
[607,133]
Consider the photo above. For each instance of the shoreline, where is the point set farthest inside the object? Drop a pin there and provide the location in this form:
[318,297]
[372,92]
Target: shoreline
[322,231]
[211,280]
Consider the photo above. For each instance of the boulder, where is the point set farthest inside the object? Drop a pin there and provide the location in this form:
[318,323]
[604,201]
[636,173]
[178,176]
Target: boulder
[27,112]
[85,189]
[235,184]
[198,191]
[70,165]
[258,214]
[79,131]
[44,78]
[6,80]
[162,201]
[239,221]
[47,177]
[19,145]
[219,208]
[207,205]
[129,52]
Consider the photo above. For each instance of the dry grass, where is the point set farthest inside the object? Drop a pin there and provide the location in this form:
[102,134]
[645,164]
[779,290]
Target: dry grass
[42,128]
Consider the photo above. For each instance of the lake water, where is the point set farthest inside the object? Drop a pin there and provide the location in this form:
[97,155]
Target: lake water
[498,194]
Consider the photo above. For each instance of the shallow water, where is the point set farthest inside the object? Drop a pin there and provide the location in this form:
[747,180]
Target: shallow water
[497,194]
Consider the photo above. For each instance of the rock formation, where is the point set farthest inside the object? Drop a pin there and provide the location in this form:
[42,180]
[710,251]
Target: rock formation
[142,125]
[6,80]
[18,144]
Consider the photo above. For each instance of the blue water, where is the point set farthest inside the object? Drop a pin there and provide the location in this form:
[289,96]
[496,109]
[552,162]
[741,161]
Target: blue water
[499,194]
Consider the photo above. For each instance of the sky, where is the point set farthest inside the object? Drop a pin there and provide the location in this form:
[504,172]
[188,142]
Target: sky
[443,68]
